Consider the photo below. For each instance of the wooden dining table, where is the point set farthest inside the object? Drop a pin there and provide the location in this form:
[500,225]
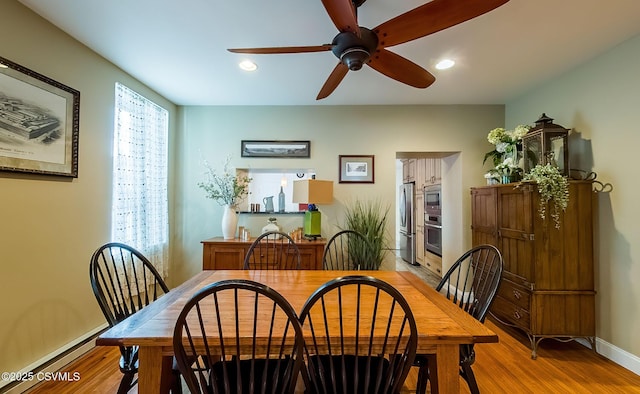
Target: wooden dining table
[442,326]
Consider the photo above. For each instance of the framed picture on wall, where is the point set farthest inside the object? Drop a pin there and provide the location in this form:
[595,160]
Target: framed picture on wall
[356,169]
[39,123]
[275,149]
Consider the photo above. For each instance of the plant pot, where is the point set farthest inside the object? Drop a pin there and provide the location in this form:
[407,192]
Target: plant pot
[229,222]
[510,178]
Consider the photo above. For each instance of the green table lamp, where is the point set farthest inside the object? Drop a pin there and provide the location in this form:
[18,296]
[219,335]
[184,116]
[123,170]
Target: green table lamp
[312,192]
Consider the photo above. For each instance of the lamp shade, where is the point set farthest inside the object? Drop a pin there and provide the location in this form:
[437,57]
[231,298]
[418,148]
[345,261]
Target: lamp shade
[313,191]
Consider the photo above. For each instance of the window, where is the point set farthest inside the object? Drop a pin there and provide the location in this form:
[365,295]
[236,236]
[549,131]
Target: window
[139,204]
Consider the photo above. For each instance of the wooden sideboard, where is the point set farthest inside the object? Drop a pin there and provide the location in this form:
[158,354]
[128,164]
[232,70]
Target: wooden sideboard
[547,286]
[228,254]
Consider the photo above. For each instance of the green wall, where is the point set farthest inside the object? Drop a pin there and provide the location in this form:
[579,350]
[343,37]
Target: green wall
[600,102]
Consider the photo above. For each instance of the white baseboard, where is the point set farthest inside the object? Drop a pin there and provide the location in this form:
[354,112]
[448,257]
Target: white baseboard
[618,356]
[61,357]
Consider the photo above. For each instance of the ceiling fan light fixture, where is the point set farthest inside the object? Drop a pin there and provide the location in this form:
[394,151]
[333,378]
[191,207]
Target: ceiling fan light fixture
[354,58]
[248,65]
[445,64]
[356,45]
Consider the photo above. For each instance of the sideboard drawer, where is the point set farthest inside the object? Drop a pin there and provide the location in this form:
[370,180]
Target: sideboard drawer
[511,313]
[515,294]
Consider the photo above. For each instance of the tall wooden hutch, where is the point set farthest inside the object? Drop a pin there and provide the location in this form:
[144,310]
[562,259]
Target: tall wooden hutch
[548,283]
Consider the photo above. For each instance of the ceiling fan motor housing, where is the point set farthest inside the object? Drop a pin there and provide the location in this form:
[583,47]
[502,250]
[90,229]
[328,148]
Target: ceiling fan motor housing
[352,50]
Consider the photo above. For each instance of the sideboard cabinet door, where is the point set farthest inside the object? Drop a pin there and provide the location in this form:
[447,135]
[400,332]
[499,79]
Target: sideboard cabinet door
[223,257]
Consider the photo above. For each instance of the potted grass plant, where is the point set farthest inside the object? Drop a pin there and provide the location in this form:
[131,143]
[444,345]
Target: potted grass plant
[370,219]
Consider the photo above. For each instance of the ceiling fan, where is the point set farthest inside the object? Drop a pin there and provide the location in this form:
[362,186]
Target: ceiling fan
[356,45]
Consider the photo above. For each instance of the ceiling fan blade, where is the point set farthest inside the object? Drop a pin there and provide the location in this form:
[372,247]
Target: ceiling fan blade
[402,70]
[276,50]
[343,15]
[430,18]
[336,76]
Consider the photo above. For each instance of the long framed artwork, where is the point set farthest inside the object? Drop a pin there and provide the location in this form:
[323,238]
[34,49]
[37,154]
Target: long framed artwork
[261,148]
[39,123]
[356,169]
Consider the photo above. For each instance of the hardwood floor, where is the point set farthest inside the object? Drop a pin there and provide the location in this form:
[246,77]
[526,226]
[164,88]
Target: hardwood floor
[505,367]
[561,367]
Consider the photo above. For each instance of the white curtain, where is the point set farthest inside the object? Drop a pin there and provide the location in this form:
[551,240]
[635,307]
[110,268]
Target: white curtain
[140,208]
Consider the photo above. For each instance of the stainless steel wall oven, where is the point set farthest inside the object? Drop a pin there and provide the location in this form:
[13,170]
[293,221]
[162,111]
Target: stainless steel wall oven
[433,219]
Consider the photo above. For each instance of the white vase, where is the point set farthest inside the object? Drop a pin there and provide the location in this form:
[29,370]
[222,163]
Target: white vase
[229,222]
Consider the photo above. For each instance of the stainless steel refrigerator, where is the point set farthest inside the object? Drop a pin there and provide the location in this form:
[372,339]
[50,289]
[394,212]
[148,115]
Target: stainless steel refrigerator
[407,223]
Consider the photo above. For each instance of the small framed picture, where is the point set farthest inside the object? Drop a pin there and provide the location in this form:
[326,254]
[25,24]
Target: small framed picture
[356,169]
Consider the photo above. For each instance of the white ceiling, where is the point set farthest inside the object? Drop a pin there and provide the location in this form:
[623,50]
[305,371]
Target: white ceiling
[178,48]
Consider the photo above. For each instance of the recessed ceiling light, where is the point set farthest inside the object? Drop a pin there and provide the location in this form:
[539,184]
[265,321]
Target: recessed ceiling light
[445,64]
[247,65]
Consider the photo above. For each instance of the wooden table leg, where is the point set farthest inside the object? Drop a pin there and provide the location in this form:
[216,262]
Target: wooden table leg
[154,371]
[448,359]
